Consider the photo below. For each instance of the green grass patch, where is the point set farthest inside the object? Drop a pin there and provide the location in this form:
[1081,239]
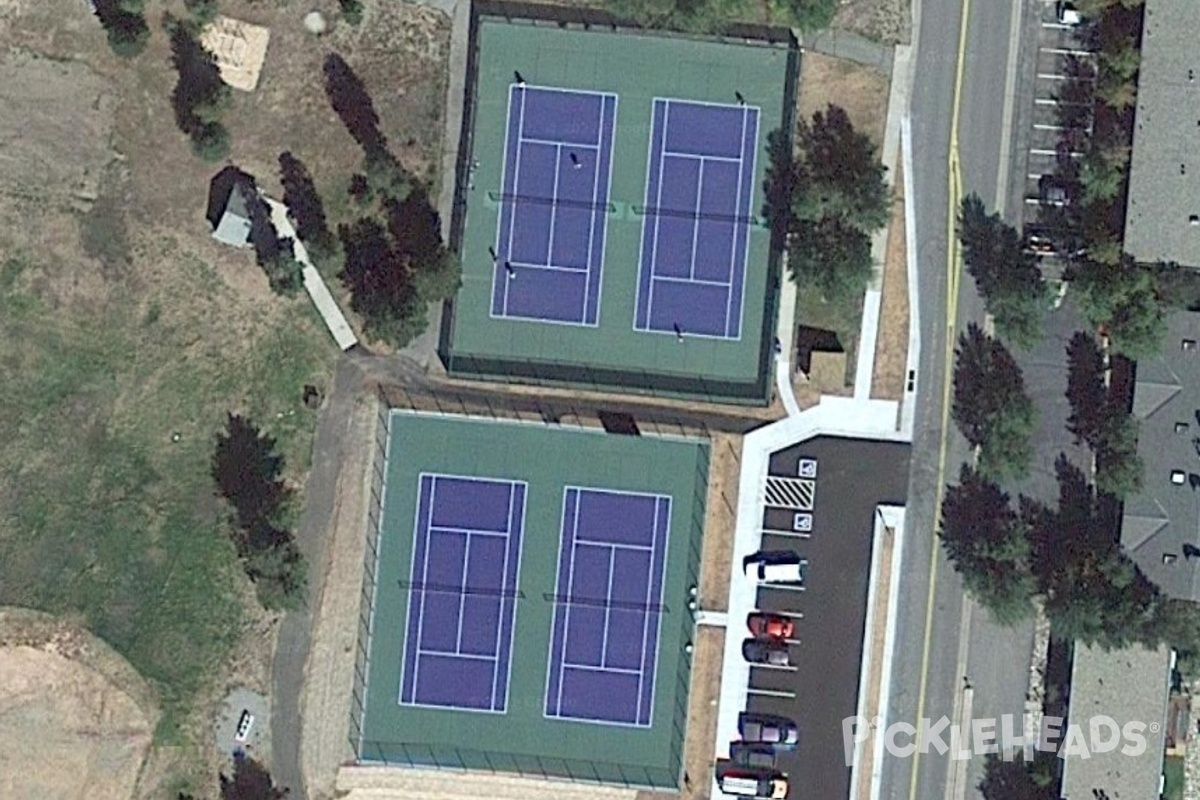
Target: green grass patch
[1173,778]
[104,516]
[844,318]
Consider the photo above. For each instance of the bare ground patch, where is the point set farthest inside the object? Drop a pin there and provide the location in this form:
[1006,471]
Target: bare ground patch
[891,348]
[724,470]
[329,678]
[75,718]
[887,21]
[861,90]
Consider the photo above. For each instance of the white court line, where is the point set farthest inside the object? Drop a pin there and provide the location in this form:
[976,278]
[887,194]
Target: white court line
[666,551]
[560,143]
[465,531]
[462,601]
[751,111]
[503,588]
[580,540]
[614,670]
[696,221]
[567,613]
[464,656]
[608,196]
[670,279]
[587,283]
[657,216]
[554,208]
[608,603]
[550,267]
[737,213]
[646,222]
[520,544]
[700,157]
[496,266]
[516,190]
[424,579]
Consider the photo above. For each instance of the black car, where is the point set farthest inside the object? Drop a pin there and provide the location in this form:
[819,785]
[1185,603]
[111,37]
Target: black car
[752,755]
[766,651]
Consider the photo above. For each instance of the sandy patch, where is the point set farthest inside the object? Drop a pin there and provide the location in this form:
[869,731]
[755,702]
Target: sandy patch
[240,49]
[75,719]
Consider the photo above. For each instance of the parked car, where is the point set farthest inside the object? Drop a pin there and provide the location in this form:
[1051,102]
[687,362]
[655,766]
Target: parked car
[768,729]
[752,756]
[766,651]
[1066,13]
[753,784]
[776,566]
[1052,191]
[770,626]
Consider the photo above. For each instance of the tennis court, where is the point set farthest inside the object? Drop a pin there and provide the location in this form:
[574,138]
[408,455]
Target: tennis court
[550,239]
[611,221]
[462,592]
[526,601]
[699,208]
[608,603]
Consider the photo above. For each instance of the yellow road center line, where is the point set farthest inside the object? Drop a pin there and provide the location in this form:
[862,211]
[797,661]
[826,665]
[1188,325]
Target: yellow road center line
[953,272]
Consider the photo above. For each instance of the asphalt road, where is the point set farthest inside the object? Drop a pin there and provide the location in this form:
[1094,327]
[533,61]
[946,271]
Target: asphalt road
[938,629]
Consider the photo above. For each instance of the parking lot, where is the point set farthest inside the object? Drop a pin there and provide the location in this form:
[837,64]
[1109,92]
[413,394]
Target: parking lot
[820,501]
[1062,88]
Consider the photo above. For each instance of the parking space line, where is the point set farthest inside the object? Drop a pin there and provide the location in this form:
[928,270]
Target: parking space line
[789,614]
[1042,152]
[792,641]
[786,587]
[1042,127]
[1063,51]
[1054,76]
[780,667]
[793,534]
[772,693]
[1057,26]
[1053,101]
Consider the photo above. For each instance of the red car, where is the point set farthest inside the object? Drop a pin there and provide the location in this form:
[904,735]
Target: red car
[770,626]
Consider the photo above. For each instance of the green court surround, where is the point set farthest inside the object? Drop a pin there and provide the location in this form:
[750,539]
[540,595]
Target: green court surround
[638,67]
[523,740]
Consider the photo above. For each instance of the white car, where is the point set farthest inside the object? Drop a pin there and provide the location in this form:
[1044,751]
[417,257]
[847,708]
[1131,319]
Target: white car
[781,566]
[245,723]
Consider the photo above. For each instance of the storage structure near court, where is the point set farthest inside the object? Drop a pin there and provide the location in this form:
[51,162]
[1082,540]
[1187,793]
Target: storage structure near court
[610,211]
[526,602]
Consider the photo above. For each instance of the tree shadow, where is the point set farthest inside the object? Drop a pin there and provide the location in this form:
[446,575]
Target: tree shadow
[352,103]
[1086,392]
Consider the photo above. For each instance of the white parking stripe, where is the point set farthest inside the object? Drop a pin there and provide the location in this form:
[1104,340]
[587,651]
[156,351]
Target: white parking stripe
[772,693]
[1062,51]
[780,667]
[787,587]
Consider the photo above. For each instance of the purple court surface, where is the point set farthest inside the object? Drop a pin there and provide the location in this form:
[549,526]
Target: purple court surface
[553,207]
[699,197]
[463,591]
[608,603]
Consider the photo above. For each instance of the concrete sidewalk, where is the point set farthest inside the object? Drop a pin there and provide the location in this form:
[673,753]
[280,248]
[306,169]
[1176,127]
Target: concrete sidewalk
[314,284]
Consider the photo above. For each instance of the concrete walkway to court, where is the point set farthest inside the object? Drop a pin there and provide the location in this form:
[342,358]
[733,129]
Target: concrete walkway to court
[314,284]
[858,417]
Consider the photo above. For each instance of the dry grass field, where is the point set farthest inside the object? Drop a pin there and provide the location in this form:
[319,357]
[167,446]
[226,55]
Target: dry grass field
[127,334]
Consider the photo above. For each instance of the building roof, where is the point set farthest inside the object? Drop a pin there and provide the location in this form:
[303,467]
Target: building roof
[234,226]
[1163,219]
[1161,523]
[1127,685]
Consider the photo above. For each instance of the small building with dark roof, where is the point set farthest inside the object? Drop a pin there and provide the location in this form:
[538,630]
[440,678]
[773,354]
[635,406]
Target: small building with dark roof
[230,198]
